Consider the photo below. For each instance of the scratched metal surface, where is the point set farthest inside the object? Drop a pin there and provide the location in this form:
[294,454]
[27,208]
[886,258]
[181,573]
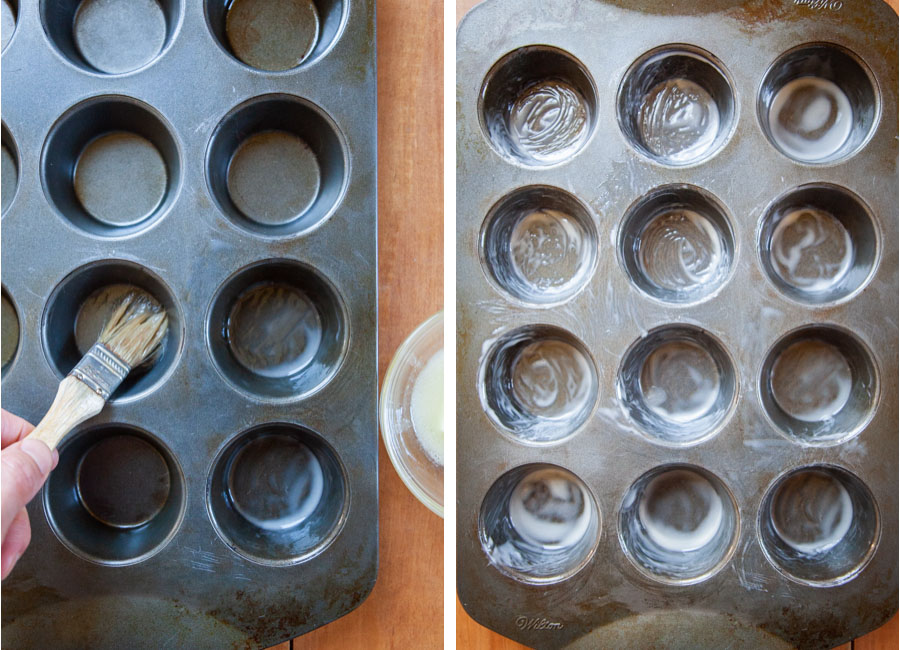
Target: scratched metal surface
[609,603]
[196,591]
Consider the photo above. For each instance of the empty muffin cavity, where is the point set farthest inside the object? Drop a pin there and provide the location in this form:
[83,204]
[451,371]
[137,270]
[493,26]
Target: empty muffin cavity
[276,35]
[678,524]
[819,385]
[818,243]
[539,524]
[117,496]
[818,103]
[677,245]
[111,37]
[277,494]
[539,244]
[678,384]
[819,525]
[539,384]
[676,105]
[111,166]
[538,106]
[277,330]
[277,166]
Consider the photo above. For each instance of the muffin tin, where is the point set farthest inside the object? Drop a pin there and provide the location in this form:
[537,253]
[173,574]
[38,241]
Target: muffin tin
[227,495]
[677,335]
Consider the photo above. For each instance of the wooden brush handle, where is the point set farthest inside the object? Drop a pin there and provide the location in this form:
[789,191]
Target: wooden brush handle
[74,403]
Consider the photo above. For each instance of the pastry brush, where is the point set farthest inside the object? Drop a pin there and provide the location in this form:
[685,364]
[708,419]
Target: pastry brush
[130,337]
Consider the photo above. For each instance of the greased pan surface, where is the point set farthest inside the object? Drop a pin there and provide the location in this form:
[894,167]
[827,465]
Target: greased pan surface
[577,313]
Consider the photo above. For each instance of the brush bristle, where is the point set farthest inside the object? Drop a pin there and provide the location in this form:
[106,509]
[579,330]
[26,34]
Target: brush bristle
[136,329]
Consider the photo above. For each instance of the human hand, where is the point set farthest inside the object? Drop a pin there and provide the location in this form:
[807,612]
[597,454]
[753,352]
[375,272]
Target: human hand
[25,466]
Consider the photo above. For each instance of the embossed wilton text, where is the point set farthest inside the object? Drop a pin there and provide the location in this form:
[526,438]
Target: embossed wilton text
[525,623]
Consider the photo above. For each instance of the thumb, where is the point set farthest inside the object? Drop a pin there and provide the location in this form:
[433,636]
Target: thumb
[24,467]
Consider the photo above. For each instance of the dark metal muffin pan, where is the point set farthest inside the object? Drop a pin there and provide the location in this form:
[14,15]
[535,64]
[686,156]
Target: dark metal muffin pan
[144,153]
[550,129]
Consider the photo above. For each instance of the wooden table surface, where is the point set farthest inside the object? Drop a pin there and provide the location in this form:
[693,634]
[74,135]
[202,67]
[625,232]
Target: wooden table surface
[472,636]
[405,610]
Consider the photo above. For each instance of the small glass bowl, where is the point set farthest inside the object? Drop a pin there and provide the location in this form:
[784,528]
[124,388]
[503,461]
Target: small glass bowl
[423,477]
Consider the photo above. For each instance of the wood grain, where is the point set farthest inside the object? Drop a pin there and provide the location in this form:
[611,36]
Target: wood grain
[472,636]
[405,608]
[885,637]
[462,8]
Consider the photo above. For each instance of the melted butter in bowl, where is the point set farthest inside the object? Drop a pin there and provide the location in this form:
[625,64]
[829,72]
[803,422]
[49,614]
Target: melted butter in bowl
[411,413]
[427,407]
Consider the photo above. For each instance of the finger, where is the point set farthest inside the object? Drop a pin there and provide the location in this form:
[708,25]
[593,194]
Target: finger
[13,428]
[15,543]
[25,466]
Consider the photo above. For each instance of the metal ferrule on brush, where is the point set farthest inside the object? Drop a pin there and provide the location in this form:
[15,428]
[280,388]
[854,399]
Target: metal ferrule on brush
[101,370]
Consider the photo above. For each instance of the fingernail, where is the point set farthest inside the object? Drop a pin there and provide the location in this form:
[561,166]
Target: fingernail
[55,459]
[40,454]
